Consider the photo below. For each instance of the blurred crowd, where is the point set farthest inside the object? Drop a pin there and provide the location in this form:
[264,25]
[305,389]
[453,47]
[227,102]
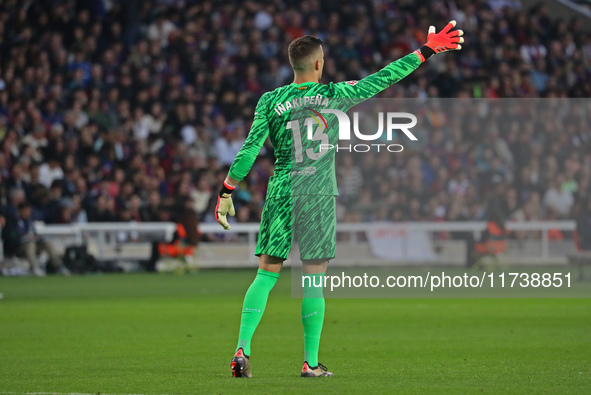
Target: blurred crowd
[133,110]
[514,159]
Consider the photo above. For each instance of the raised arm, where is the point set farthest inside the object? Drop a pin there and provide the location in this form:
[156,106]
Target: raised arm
[377,82]
[445,40]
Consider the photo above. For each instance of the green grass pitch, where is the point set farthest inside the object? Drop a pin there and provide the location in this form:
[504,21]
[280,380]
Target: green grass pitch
[169,334]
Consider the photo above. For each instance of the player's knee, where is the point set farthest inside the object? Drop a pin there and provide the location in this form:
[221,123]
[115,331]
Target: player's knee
[270,263]
[312,266]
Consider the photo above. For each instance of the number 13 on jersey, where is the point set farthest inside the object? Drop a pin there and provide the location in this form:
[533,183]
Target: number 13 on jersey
[313,135]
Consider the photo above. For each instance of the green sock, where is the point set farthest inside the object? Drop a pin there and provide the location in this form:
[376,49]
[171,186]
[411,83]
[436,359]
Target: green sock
[254,307]
[312,315]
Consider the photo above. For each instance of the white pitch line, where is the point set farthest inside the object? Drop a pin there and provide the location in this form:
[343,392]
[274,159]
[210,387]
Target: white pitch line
[67,393]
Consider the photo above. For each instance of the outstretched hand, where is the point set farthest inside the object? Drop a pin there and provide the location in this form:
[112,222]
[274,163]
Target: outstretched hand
[445,40]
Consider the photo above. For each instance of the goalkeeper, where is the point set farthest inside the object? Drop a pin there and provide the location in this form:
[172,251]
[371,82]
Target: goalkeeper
[301,194]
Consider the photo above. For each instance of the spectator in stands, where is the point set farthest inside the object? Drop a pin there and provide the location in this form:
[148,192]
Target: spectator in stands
[17,196]
[229,143]
[527,212]
[17,180]
[457,212]
[54,205]
[50,171]
[584,225]
[557,198]
[21,240]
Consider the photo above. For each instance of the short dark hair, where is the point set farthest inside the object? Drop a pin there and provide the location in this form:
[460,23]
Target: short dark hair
[56,184]
[302,47]
[23,205]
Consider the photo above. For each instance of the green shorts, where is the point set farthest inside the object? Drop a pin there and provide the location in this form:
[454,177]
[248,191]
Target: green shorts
[311,219]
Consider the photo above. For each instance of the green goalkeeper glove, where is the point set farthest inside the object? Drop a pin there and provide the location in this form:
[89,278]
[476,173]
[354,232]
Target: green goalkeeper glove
[445,40]
[225,205]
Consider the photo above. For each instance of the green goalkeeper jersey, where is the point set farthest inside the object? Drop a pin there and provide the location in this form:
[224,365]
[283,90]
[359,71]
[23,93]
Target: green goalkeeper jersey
[291,117]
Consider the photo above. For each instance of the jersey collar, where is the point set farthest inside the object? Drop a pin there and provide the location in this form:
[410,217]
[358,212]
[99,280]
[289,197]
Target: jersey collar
[304,83]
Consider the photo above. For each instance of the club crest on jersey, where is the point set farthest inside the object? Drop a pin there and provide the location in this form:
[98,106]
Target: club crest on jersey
[318,117]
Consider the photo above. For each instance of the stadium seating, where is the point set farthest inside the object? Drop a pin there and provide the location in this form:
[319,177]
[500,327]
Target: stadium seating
[120,111]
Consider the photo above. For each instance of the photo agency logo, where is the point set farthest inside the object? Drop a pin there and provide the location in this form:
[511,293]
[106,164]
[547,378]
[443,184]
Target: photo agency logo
[388,122]
[317,122]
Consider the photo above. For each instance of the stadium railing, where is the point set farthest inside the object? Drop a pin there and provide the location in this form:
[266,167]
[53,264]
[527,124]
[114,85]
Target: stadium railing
[107,234]
[354,229]
[131,240]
